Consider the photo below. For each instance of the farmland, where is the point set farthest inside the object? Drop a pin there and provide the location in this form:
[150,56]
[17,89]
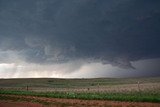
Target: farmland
[104,89]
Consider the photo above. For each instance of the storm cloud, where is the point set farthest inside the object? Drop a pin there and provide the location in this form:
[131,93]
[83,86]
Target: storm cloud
[47,32]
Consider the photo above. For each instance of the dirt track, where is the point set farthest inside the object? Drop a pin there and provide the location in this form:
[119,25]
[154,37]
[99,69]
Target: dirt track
[19,104]
[56,102]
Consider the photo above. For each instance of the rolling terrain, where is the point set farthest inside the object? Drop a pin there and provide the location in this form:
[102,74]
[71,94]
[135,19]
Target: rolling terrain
[105,91]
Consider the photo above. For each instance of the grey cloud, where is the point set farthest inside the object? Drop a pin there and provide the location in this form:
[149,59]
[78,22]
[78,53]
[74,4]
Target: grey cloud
[11,56]
[109,31]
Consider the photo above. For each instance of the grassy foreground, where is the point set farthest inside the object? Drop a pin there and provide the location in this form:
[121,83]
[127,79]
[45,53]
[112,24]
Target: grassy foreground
[116,89]
[129,96]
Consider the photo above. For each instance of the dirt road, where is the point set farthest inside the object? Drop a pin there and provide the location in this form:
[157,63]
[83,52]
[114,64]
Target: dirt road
[30,101]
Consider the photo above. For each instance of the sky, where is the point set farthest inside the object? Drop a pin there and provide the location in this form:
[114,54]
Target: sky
[79,38]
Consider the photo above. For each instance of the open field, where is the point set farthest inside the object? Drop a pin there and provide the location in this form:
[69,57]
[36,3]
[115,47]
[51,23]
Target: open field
[113,89]
[82,85]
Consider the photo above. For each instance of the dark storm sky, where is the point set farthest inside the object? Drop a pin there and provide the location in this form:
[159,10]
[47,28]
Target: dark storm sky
[57,32]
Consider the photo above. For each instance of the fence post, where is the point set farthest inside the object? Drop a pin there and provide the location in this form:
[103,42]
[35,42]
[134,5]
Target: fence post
[138,87]
[98,87]
[27,87]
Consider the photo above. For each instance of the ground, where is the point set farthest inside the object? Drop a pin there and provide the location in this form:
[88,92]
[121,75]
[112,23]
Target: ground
[57,102]
[143,92]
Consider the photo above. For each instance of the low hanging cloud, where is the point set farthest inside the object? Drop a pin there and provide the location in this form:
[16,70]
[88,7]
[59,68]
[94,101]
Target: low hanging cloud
[59,31]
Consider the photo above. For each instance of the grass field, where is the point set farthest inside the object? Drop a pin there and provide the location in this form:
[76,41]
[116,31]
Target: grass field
[115,89]
[118,96]
[99,84]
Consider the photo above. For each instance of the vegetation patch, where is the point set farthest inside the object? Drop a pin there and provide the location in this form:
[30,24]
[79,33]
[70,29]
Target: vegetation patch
[129,96]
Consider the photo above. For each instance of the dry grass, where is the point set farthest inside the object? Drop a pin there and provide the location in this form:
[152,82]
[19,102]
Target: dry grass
[82,85]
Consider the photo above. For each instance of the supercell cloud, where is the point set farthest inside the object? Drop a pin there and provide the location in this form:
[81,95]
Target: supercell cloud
[77,38]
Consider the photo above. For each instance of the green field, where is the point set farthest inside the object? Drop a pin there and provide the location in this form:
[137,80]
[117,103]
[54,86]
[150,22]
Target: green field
[118,89]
